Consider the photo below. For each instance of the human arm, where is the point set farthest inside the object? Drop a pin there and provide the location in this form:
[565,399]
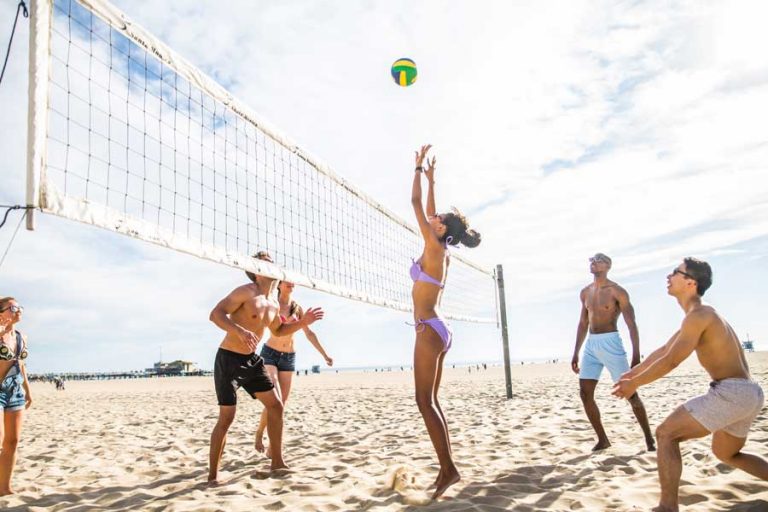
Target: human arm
[312,337]
[429,172]
[581,332]
[23,369]
[628,312]
[679,349]
[220,315]
[653,357]
[430,238]
[310,316]
[27,391]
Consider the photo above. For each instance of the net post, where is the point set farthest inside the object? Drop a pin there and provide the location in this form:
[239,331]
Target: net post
[504,333]
[39,45]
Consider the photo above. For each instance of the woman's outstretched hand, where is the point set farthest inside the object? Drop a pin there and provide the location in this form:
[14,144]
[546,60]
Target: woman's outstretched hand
[429,171]
[421,154]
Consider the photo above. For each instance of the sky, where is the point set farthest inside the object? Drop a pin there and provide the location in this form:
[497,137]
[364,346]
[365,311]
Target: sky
[638,129]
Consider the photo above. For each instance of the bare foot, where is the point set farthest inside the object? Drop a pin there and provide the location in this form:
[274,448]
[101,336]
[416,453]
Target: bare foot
[662,508]
[601,445]
[650,444]
[278,465]
[449,478]
[258,444]
[7,492]
[213,482]
[439,475]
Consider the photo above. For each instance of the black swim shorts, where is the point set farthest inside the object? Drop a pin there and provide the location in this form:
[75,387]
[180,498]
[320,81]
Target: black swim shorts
[232,370]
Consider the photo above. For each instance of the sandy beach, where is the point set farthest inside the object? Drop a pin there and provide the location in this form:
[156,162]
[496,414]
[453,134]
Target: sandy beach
[355,441]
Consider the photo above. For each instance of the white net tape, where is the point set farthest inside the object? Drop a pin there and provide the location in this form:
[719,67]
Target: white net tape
[139,141]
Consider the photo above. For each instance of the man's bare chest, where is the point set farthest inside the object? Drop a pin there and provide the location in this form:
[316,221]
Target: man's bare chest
[601,301]
[258,311]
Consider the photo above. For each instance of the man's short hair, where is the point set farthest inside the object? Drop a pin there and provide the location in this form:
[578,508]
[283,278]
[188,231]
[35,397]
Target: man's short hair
[600,256]
[264,255]
[261,255]
[701,272]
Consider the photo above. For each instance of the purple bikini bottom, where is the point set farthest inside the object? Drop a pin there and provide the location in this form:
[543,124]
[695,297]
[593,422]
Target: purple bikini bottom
[440,327]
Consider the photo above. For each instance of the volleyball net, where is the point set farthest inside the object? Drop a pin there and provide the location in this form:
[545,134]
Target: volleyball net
[127,135]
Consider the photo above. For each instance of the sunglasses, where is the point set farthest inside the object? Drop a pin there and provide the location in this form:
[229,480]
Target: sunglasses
[13,309]
[686,274]
[598,260]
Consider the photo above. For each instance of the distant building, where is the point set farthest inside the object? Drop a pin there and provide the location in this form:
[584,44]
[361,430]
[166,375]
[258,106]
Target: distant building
[748,345]
[316,368]
[177,367]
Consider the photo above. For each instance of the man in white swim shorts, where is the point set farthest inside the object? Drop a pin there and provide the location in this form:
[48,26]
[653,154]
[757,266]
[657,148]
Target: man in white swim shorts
[732,402]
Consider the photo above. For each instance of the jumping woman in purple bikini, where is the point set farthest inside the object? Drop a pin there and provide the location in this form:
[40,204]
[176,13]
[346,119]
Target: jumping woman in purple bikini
[433,335]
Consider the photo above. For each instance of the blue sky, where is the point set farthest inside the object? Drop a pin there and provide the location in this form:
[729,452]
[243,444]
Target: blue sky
[636,129]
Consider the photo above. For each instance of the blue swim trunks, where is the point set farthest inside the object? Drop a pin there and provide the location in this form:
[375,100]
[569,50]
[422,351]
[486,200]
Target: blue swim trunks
[12,396]
[604,350]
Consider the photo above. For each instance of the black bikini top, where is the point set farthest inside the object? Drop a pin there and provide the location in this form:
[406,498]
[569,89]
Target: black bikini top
[7,354]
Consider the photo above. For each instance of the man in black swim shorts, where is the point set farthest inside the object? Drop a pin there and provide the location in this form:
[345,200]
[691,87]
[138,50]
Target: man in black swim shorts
[244,315]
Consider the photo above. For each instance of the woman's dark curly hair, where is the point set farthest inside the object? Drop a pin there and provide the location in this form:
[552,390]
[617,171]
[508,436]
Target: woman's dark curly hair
[457,228]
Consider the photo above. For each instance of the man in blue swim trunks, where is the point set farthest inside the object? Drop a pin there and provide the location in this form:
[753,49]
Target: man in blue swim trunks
[601,303]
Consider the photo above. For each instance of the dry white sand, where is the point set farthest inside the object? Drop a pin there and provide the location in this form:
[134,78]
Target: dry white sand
[355,441]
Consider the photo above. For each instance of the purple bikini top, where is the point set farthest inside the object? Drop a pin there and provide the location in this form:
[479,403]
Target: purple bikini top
[417,274]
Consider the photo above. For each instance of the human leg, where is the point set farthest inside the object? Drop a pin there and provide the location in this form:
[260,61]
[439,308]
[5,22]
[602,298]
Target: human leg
[259,438]
[283,386]
[219,439]
[642,418]
[438,378]
[12,421]
[587,394]
[426,360]
[274,408]
[727,448]
[679,426]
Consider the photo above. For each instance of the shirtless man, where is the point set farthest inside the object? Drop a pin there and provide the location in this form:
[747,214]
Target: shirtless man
[245,314]
[601,303]
[733,400]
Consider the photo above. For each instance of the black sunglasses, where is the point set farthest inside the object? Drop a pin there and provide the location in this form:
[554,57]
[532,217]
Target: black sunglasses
[686,274]
[13,309]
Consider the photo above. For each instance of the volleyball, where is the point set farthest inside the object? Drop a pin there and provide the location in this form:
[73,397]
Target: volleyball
[404,72]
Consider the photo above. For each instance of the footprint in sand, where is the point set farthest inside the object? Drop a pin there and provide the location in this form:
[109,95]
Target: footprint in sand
[402,480]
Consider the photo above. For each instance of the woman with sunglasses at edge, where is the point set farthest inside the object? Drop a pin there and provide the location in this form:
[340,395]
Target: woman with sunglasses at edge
[14,391]
[433,335]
